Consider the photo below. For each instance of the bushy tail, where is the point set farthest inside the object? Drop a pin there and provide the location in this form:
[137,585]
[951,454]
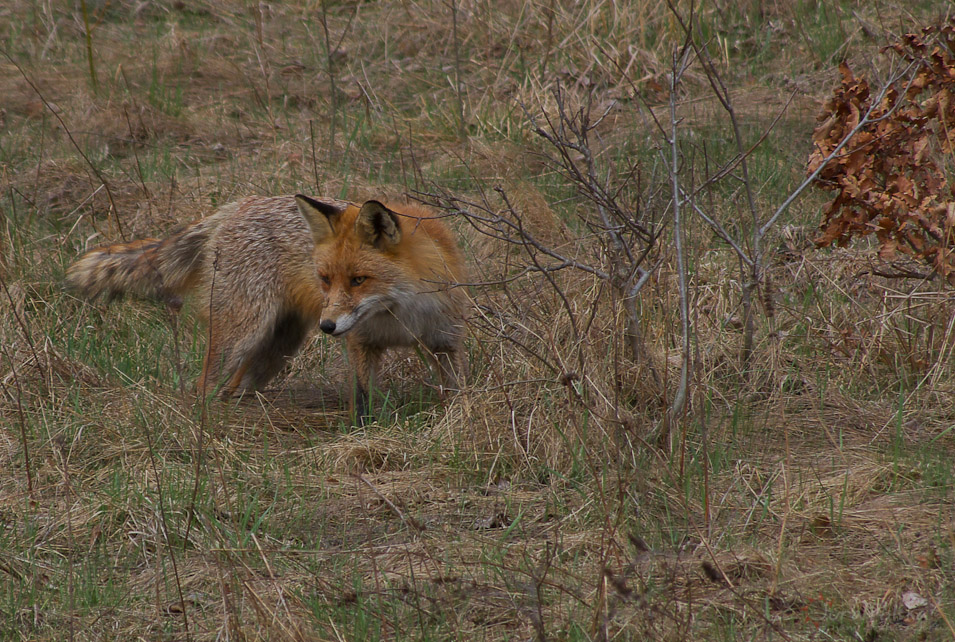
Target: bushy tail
[152,268]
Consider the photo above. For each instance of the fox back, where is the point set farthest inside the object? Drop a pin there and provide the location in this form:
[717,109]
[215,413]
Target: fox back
[250,269]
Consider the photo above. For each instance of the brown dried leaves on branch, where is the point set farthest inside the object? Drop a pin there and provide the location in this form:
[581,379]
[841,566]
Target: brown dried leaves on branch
[891,178]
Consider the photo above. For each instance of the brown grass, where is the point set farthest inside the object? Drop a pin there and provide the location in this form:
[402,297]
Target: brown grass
[798,499]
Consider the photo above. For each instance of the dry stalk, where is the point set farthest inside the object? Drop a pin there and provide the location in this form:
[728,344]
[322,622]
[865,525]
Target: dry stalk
[680,62]
[89,45]
[165,529]
[332,51]
[458,82]
[16,381]
[203,399]
[76,146]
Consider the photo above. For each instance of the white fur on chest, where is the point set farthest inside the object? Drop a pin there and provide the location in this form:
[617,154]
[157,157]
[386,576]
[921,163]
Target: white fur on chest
[407,319]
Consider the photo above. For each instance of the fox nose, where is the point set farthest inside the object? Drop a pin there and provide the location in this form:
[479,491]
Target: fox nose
[327,326]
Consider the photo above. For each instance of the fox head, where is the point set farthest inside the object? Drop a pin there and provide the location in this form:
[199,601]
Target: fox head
[356,254]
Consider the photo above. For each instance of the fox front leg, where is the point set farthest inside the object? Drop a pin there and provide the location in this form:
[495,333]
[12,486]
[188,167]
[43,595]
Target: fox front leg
[365,362]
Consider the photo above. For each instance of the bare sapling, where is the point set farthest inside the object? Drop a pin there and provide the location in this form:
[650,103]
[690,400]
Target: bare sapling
[749,243]
[623,232]
[677,408]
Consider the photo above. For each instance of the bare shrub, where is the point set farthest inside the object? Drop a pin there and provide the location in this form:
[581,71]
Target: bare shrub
[893,179]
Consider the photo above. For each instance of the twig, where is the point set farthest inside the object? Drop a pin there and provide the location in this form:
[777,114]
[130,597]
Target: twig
[165,528]
[410,521]
[20,414]
[69,134]
[458,78]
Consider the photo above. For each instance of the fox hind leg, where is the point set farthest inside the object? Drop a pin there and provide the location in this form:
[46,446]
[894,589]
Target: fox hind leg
[234,341]
[223,359]
[219,358]
[287,335]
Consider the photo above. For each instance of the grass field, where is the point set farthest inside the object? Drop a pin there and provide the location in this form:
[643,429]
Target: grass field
[804,493]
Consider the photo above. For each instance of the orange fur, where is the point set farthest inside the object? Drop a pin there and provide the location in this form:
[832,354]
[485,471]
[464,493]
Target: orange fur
[265,270]
[388,279]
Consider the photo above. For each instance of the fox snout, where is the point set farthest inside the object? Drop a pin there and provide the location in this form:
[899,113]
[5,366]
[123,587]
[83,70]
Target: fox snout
[337,326]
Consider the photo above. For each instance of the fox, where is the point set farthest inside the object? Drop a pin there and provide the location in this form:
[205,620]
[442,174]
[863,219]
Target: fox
[266,270]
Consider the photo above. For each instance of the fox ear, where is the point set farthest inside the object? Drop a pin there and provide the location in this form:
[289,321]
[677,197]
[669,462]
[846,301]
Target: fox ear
[378,225]
[321,216]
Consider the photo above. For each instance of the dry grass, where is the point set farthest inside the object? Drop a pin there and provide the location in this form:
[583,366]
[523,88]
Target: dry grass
[800,499]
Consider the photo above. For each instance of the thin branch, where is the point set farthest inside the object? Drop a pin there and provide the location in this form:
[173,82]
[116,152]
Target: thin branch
[69,134]
[716,226]
[863,122]
[680,63]
[410,521]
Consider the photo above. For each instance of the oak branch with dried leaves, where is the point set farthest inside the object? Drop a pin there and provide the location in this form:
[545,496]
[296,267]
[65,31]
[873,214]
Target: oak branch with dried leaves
[893,177]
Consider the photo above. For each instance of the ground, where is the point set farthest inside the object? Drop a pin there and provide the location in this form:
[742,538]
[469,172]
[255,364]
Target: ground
[802,493]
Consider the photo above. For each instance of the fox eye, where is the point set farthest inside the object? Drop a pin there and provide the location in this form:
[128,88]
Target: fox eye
[357,280]
[325,279]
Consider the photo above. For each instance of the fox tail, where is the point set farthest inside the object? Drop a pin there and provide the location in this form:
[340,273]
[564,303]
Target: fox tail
[152,268]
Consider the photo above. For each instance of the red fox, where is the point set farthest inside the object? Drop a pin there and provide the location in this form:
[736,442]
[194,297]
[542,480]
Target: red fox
[266,270]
